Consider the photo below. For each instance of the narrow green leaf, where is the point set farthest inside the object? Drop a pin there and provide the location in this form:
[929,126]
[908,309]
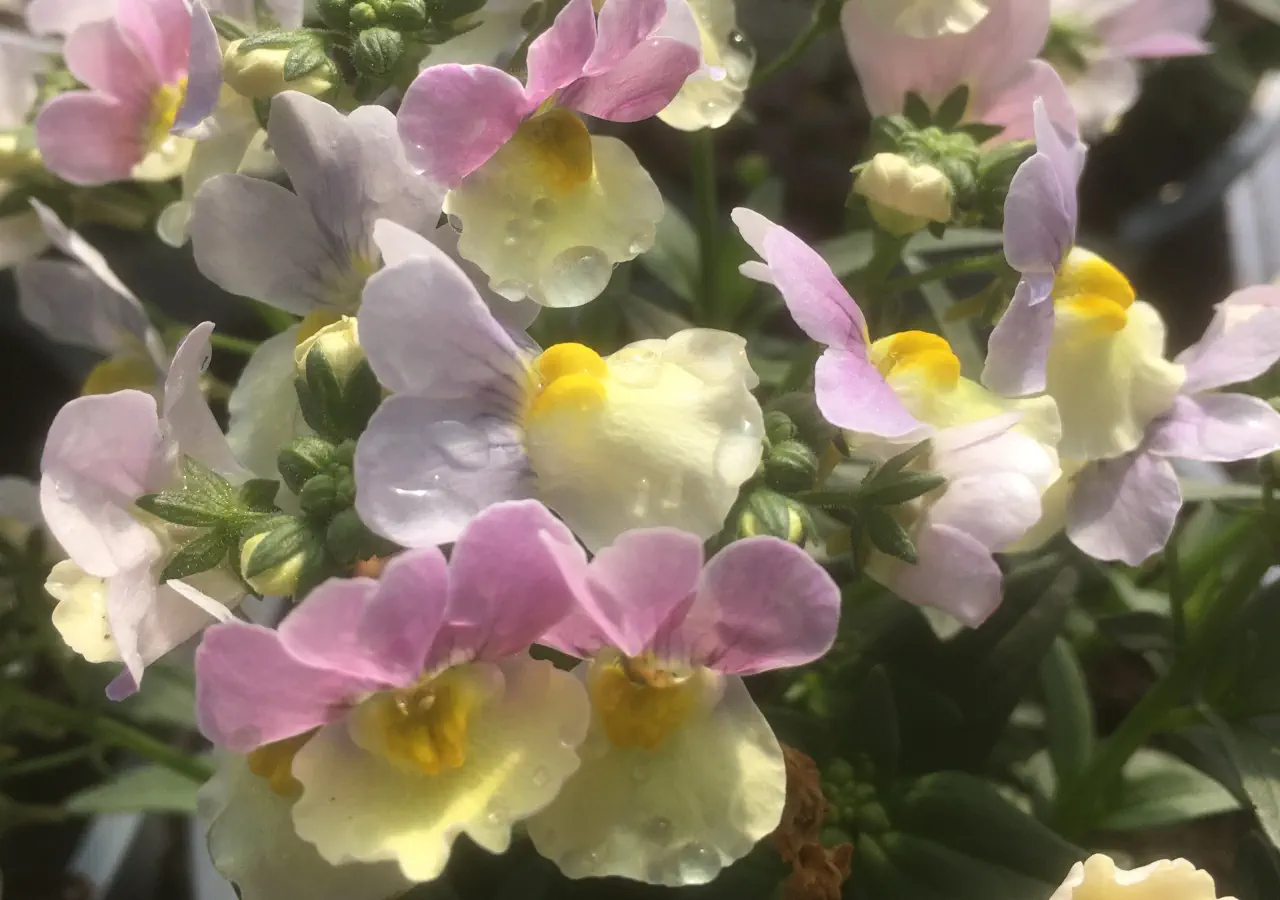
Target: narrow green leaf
[200,555]
[1072,733]
[952,109]
[273,37]
[917,110]
[1257,759]
[1159,789]
[180,509]
[887,535]
[1257,870]
[896,464]
[145,789]
[198,480]
[894,490]
[980,131]
[227,29]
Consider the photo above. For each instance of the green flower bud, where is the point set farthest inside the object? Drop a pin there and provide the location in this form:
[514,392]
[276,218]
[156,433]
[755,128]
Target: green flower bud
[304,459]
[319,497]
[406,15]
[338,344]
[349,540]
[770,513]
[377,51]
[259,73]
[362,15]
[904,196]
[791,466]
[778,426]
[335,13]
[337,390]
[277,562]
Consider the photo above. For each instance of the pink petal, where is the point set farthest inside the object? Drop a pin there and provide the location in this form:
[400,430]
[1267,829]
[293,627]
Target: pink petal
[99,55]
[1241,342]
[852,394]
[639,86]
[64,16]
[160,30]
[1163,46]
[632,592]
[1011,106]
[1018,349]
[505,588]
[89,138]
[954,573]
[453,118]
[250,690]
[1152,27]
[1216,428]
[762,604]
[1124,509]
[558,55]
[622,27]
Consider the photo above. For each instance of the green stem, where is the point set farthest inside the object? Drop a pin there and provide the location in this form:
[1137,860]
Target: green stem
[49,761]
[106,730]
[791,54]
[233,344]
[967,265]
[1177,588]
[708,221]
[1081,800]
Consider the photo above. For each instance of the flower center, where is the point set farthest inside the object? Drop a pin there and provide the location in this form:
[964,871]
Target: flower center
[917,354]
[556,147]
[274,762]
[639,703]
[422,727]
[165,104]
[1090,288]
[567,378]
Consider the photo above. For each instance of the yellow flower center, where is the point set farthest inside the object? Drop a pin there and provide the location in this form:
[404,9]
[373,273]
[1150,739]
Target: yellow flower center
[567,378]
[918,354]
[423,727]
[639,703]
[165,104]
[121,372]
[274,762]
[1090,288]
[556,147]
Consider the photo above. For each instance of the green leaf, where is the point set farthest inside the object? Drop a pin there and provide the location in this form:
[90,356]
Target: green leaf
[952,109]
[980,131]
[1072,733]
[917,110]
[887,535]
[199,555]
[896,489]
[673,258]
[259,495]
[958,333]
[145,789]
[273,37]
[896,464]
[848,253]
[227,29]
[1159,789]
[200,481]
[180,509]
[302,59]
[1257,760]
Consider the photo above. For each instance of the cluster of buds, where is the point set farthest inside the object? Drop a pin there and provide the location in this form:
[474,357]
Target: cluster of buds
[381,33]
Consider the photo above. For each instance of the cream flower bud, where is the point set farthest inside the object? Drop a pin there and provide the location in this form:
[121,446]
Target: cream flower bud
[904,196]
[16,158]
[1098,878]
[280,580]
[339,343]
[259,73]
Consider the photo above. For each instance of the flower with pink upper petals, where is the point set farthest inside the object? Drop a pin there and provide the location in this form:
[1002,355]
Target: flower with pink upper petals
[1095,46]
[406,711]
[998,455]
[547,209]
[994,59]
[681,775]
[135,67]
[103,452]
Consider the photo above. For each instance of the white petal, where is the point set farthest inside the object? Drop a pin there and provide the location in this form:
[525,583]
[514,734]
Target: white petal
[21,238]
[714,94]
[675,815]
[263,410]
[81,614]
[556,249]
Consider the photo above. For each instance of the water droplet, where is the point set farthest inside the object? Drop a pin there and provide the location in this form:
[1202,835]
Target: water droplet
[516,232]
[541,776]
[544,210]
[578,863]
[697,863]
[639,244]
[511,289]
[455,223]
[658,829]
[576,276]
[495,819]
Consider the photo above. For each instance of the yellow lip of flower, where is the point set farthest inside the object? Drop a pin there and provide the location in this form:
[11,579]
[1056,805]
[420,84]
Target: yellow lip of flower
[120,372]
[1089,287]
[917,353]
[568,378]
[422,727]
[638,702]
[556,146]
[274,762]
[166,102]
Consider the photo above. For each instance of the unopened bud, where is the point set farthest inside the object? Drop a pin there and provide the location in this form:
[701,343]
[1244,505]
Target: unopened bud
[304,459]
[770,513]
[778,426]
[904,196]
[406,15]
[791,466]
[276,562]
[377,51]
[338,344]
[259,73]
[337,390]
[363,15]
[335,13]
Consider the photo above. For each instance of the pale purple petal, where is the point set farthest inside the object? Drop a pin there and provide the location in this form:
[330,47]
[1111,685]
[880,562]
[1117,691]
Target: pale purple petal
[1018,349]
[99,55]
[1011,108]
[71,305]
[131,595]
[1157,28]
[426,330]
[186,413]
[632,594]
[250,690]
[88,138]
[754,228]
[954,573]
[65,16]
[852,394]
[160,30]
[75,246]
[1241,342]
[425,468]
[257,239]
[204,75]
[1124,509]
[761,604]
[156,619]
[996,508]
[557,56]
[101,454]
[1216,428]
[1040,208]
[1164,46]
[505,587]
[639,86]
[622,27]
[453,118]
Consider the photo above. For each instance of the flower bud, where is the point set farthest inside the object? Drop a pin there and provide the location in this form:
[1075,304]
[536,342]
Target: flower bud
[377,51]
[337,390]
[338,344]
[791,466]
[277,562]
[17,157]
[903,196]
[770,513]
[258,73]
[778,426]
[305,458]
[335,13]
[406,15]
[363,15]
[349,540]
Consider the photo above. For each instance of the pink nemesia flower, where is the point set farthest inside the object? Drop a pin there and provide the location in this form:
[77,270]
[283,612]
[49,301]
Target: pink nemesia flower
[995,59]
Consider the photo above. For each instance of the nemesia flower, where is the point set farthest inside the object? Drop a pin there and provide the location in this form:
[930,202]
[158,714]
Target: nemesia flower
[1098,878]
[407,709]
[82,303]
[547,209]
[1094,44]
[994,59]
[713,94]
[681,774]
[135,66]
[248,806]
[102,453]
[659,433]
[1124,506]
[997,454]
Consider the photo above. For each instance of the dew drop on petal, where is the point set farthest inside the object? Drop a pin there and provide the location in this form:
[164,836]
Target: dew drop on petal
[576,276]
[697,863]
[455,223]
[544,210]
[512,290]
[658,829]
[739,58]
